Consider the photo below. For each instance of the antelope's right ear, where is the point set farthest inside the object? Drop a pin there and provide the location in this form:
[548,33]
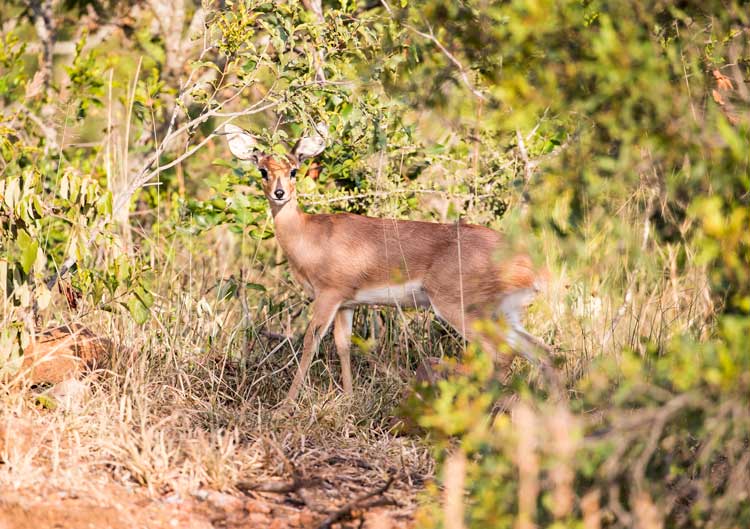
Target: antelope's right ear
[242,144]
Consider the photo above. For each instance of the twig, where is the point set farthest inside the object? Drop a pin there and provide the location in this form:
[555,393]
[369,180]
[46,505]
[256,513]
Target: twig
[452,58]
[616,507]
[631,287]
[70,262]
[663,415]
[146,174]
[544,364]
[275,335]
[48,131]
[124,198]
[278,487]
[382,194]
[298,485]
[44,23]
[309,502]
[527,168]
[316,8]
[358,503]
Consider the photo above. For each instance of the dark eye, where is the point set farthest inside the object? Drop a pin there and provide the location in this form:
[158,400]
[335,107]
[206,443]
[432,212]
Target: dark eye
[293,173]
[263,173]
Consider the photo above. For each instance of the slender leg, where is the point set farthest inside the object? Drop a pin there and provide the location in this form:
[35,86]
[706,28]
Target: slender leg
[323,310]
[464,325]
[342,335]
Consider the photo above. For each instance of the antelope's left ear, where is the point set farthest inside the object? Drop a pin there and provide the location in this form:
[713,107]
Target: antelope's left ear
[311,146]
[242,144]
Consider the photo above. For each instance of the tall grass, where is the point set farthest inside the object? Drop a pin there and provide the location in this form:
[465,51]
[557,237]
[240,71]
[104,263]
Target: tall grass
[188,399]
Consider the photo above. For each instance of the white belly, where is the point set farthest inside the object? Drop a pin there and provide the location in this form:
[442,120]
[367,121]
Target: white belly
[409,294]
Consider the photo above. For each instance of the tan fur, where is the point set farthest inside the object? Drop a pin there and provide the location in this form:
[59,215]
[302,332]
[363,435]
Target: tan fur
[466,271]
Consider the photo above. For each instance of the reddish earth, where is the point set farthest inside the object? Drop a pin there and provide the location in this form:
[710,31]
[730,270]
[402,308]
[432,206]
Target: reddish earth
[336,483]
[115,507]
[340,485]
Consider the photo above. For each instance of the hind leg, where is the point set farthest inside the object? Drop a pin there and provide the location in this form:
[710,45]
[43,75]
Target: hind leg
[464,322]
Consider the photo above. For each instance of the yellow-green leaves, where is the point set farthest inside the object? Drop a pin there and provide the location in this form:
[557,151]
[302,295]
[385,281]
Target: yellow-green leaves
[11,192]
[28,249]
[139,305]
[725,243]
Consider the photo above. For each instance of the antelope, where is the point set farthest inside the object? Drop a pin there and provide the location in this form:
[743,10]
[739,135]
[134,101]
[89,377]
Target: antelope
[464,272]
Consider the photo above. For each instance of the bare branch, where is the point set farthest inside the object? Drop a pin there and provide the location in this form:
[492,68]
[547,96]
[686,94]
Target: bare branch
[44,24]
[279,487]
[316,8]
[358,503]
[461,69]
[374,5]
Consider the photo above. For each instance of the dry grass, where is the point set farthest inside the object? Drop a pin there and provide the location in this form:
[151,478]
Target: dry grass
[188,401]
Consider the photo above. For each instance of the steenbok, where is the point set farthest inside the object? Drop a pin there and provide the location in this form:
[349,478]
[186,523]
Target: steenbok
[465,273]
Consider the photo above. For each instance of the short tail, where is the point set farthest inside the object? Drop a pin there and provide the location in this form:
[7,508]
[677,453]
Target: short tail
[518,273]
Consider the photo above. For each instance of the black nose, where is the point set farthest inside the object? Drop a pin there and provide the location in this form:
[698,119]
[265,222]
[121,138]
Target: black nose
[279,193]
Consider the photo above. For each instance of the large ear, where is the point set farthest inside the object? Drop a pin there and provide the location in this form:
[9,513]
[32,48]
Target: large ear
[313,145]
[242,144]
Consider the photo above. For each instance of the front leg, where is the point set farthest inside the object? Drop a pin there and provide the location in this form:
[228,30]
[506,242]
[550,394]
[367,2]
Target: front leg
[323,311]
[342,334]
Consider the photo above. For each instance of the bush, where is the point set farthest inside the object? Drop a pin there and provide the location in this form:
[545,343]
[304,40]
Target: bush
[650,102]
[610,137]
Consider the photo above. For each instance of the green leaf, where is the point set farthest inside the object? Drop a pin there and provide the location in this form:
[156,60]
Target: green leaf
[139,304]
[47,402]
[138,310]
[222,163]
[737,145]
[28,248]
[306,185]
[227,289]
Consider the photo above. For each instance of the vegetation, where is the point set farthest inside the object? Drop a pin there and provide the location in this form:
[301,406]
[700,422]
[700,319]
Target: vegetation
[611,138]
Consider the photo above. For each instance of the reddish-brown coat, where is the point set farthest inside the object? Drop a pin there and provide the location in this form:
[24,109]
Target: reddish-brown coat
[465,272]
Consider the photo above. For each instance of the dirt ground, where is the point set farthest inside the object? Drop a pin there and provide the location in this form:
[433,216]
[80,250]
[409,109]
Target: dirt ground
[335,491]
[115,507]
[296,485]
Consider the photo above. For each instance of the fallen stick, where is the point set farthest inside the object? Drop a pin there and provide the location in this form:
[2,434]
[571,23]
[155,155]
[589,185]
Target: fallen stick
[280,487]
[275,336]
[298,485]
[358,503]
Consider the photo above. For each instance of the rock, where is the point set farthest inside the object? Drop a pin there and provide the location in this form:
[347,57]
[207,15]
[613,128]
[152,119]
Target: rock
[220,500]
[68,394]
[63,353]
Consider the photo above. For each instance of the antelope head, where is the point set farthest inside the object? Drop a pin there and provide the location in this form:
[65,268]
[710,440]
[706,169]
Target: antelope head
[278,172]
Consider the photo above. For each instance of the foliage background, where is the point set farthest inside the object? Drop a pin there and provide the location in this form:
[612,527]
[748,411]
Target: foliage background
[608,137]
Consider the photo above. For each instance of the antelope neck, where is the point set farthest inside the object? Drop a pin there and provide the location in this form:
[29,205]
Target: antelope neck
[288,219]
